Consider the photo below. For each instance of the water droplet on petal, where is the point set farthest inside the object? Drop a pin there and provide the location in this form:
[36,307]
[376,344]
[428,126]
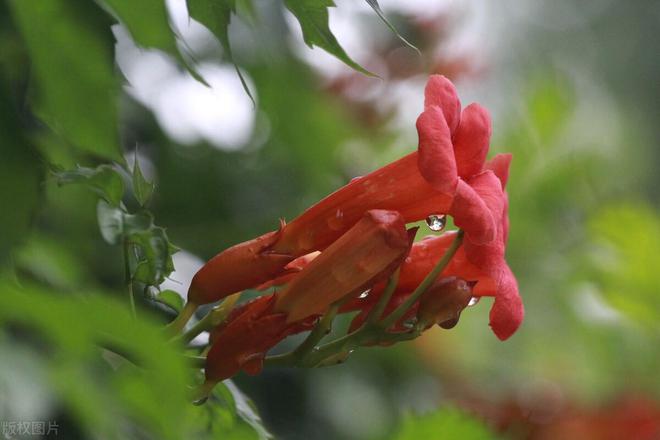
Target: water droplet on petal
[336,222]
[410,323]
[449,324]
[436,222]
[364,294]
[473,301]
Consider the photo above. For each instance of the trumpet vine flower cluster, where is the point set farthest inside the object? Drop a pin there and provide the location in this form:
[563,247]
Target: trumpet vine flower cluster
[352,252]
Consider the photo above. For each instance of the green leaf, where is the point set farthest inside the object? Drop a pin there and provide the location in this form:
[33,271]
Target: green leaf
[20,176]
[171,299]
[447,423]
[625,259]
[149,25]
[246,410]
[154,251]
[145,389]
[142,189]
[69,46]
[313,18]
[376,7]
[216,16]
[104,180]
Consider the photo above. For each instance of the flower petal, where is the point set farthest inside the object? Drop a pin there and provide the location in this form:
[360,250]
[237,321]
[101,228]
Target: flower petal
[500,164]
[441,92]
[240,267]
[471,140]
[472,214]
[436,160]
[508,311]
[368,252]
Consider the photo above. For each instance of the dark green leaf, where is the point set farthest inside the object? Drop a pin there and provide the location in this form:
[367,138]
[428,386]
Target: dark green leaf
[376,7]
[246,411]
[20,176]
[142,189]
[155,261]
[74,72]
[448,423]
[216,16]
[313,18]
[104,180]
[170,298]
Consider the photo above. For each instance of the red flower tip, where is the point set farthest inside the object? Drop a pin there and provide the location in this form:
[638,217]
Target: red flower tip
[240,267]
[436,160]
[368,252]
[508,311]
[472,140]
[440,92]
[500,164]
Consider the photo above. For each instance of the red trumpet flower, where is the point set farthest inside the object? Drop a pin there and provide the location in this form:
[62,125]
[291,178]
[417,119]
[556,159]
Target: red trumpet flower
[445,176]
[483,263]
[370,251]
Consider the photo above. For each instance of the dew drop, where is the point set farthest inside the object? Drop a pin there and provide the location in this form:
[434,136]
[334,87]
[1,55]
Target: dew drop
[410,323]
[473,301]
[364,294]
[201,401]
[336,222]
[436,222]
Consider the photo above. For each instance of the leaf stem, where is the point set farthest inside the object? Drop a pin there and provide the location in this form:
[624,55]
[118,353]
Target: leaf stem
[128,276]
[182,319]
[215,317]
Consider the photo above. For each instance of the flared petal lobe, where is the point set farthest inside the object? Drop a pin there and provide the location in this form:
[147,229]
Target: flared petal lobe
[472,140]
[436,159]
[440,92]
[368,252]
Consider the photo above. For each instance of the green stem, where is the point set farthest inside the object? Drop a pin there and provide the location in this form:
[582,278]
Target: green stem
[384,299]
[128,277]
[182,319]
[215,317]
[428,280]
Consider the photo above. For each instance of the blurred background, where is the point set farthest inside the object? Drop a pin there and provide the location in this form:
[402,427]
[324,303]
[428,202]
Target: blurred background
[574,91]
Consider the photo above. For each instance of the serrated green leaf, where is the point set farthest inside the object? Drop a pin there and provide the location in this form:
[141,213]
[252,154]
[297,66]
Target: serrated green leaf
[171,299]
[155,262]
[104,180]
[142,188]
[313,18]
[447,423]
[376,7]
[149,25]
[216,16]
[73,68]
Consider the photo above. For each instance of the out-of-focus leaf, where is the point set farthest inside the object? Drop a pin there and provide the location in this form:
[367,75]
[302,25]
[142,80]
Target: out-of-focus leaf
[105,402]
[216,16]
[142,189]
[245,410]
[147,21]
[448,423]
[313,18]
[51,261]
[73,70]
[626,261]
[376,7]
[111,222]
[20,174]
[170,298]
[104,180]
